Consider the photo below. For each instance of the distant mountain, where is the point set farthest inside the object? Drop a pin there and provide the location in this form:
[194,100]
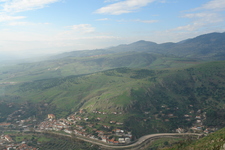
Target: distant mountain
[206,47]
[140,54]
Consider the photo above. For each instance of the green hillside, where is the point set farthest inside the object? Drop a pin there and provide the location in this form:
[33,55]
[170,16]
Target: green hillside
[214,141]
[67,66]
[142,98]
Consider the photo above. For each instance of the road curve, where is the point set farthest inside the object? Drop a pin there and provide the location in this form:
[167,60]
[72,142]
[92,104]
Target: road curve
[144,138]
[140,141]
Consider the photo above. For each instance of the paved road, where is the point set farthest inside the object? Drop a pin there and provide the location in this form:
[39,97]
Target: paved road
[131,146]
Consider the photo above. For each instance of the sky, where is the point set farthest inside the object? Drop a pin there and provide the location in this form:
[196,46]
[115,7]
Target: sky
[53,26]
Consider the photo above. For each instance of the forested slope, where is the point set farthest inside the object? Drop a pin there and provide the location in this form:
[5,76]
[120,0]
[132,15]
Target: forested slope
[144,97]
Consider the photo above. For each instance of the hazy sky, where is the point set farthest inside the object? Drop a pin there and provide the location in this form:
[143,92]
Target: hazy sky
[49,26]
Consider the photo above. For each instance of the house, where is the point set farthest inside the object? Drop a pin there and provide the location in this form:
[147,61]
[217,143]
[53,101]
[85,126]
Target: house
[206,131]
[57,127]
[51,116]
[127,140]
[81,111]
[180,130]
[71,118]
[100,132]
[119,123]
[26,147]
[170,115]
[79,118]
[90,125]
[85,119]
[106,127]
[186,116]
[79,127]
[111,141]
[114,113]
[191,112]
[196,128]
[112,122]
[198,117]
[8,138]
[68,131]
[163,106]
[199,111]
[121,140]
[5,124]
[117,130]
[104,139]
[199,121]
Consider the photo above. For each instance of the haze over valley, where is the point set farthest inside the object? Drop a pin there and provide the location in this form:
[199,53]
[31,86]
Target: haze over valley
[113,74]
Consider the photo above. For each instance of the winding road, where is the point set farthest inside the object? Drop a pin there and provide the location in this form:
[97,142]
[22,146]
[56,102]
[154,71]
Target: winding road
[133,146]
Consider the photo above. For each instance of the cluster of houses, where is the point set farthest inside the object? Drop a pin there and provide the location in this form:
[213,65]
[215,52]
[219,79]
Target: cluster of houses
[15,115]
[53,124]
[110,132]
[104,113]
[198,126]
[71,125]
[10,145]
[5,138]
[21,146]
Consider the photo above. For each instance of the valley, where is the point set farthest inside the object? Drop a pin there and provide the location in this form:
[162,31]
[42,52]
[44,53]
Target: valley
[118,95]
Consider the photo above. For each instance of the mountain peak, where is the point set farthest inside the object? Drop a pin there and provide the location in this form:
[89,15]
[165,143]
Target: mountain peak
[144,42]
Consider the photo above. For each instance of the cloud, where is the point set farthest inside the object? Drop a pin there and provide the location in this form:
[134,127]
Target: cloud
[139,20]
[201,20]
[109,1]
[25,5]
[103,19]
[83,28]
[206,16]
[25,23]
[215,5]
[4,18]
[122,7]
[19,23]
[146,21]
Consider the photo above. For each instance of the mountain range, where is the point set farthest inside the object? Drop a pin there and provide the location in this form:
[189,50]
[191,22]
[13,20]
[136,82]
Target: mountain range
[206,47]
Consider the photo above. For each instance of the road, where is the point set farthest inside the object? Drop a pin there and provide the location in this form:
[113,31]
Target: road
[135,145]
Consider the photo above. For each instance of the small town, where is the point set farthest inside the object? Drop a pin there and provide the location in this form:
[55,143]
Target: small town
[74,124]
[77,124]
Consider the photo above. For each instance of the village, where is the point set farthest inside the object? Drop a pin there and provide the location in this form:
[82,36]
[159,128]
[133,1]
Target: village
[7,143]
[93,128]
[76,125]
